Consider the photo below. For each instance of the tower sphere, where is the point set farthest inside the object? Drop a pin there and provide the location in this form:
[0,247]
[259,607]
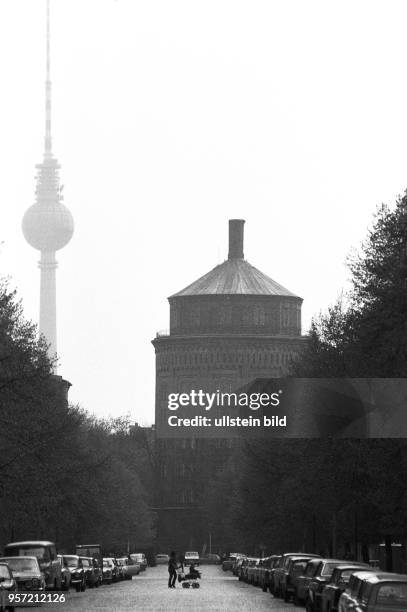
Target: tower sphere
[48,226]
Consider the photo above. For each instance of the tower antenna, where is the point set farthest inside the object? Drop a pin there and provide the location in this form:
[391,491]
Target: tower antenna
[48,139]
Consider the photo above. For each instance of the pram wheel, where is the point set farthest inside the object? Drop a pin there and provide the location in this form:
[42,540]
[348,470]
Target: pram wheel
[185,585]
[195,585]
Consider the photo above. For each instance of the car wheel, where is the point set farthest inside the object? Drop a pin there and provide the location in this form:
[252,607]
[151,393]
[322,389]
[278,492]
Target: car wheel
[296,599]
[83,587]
[286,596]
[78,588]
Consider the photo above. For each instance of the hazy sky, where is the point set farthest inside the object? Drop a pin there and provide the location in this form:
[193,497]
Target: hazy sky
[169,118]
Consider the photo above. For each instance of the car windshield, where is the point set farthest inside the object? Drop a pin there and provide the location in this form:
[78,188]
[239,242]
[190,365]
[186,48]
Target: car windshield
[22,564]
[328,569]
[72,561]
[4,572]
[40,552]
[392,594]
[86,562]
[298,566]
[345,575]
[107,563]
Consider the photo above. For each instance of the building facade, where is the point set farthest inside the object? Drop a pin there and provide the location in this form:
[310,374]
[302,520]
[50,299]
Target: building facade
[231,326]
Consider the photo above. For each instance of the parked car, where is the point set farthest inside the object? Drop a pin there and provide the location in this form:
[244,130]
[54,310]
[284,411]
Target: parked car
[160,559]
[321,577]
[133,568]
[382,592]
[262,568]
[242,570]
[281,568]
[7,581]
[253,572]
[239,564]
[268,572]
[65,574]
[235,565]
[92,573]
[191,556]
[115,569]
[227,564]
[302,582]
[295,568]
[338,583]
[140,558]
[107,571]
[121,570]
[123,565]
[26,572]
[78,574]
[347,600]
[247,566]
[46,554]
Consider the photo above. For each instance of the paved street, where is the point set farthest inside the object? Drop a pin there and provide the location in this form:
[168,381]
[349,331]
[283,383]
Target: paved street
[220,592]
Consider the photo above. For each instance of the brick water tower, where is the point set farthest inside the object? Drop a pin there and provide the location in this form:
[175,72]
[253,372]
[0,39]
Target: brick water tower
[232,325]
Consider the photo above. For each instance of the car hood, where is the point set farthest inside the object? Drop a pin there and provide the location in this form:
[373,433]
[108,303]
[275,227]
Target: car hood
[26,575]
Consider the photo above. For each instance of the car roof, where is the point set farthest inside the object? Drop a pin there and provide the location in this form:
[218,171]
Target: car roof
[364,573]
[19,557]
[31,543]
[301,554]
[386,577]
[348,566]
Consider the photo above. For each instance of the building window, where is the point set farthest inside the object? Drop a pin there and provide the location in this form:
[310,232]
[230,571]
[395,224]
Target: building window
[285,316]
[259,316]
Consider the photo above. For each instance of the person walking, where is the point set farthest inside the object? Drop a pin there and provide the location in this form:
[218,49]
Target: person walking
[172,570]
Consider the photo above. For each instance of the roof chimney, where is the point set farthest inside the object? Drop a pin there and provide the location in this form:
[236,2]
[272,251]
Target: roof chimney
[236,227]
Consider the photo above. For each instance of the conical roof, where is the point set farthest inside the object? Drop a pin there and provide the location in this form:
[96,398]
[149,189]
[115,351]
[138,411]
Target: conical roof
[235,276]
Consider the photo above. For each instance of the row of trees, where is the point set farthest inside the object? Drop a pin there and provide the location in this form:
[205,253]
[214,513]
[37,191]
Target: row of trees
[330,495]
[64,475]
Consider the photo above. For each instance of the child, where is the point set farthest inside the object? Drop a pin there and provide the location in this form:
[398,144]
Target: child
[193,573]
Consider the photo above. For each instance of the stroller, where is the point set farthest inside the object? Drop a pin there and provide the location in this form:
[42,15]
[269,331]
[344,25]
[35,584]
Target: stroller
[190,580]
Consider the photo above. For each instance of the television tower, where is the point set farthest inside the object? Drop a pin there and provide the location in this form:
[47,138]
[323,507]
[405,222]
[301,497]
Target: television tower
[48,224]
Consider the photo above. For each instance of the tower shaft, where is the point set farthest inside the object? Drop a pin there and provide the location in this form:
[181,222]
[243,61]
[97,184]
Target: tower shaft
[48,310]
